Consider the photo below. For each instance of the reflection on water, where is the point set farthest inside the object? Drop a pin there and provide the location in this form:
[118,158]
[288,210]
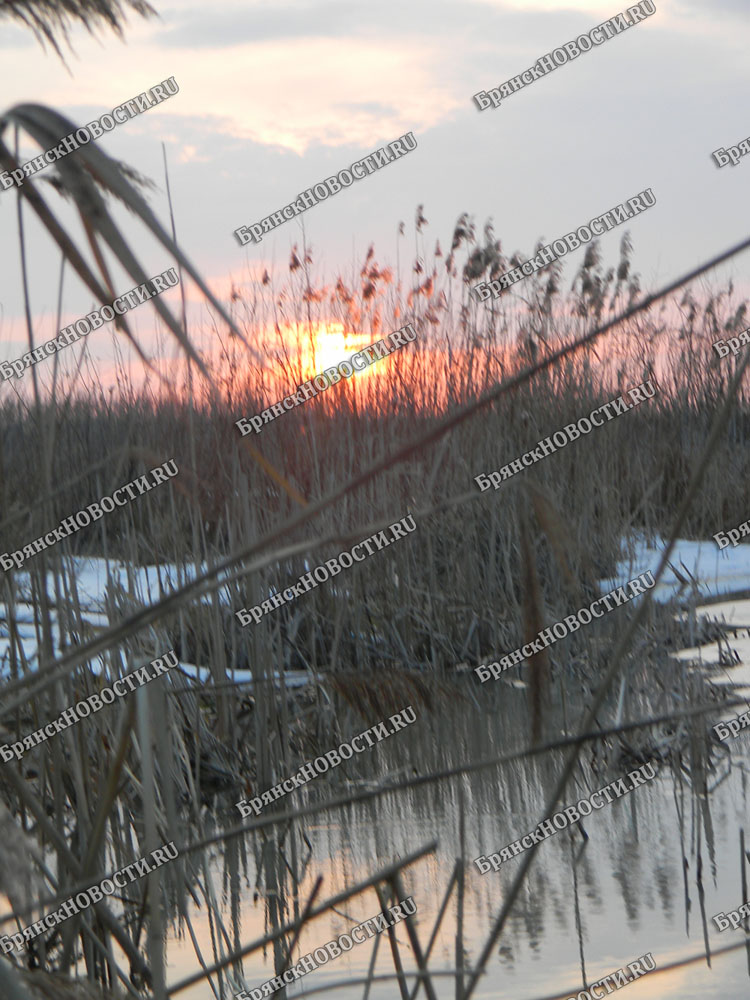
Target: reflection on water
[591,903]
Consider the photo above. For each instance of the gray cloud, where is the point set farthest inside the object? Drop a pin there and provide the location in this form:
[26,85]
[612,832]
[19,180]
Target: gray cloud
[730,7]
[202,27]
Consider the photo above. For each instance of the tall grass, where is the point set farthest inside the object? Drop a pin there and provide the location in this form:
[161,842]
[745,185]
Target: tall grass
[478,576]
[399,629]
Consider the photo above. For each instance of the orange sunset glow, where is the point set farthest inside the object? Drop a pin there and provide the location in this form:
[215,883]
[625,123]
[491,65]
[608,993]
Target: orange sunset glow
[328,345]
[297,352]
[374,463]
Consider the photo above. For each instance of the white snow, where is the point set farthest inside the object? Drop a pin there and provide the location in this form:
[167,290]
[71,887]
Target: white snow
[91,581]
[706,572]
[699,564]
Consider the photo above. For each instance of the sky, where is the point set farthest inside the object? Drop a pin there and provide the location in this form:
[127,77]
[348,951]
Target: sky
[275,97]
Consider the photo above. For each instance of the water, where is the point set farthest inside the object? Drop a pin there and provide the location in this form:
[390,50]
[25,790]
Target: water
[588,907]
[628,883]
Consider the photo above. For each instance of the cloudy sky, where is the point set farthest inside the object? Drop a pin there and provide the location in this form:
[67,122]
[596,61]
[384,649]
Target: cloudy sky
[275,97]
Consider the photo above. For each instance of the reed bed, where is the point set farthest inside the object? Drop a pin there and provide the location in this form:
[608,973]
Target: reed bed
[480,572]
[424,609]
[401,629]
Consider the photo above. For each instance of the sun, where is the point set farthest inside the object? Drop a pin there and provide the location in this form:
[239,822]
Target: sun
[329,345]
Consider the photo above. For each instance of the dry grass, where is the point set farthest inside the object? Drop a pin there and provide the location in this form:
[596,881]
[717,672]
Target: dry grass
[51,20]
[475,580]
[478,576]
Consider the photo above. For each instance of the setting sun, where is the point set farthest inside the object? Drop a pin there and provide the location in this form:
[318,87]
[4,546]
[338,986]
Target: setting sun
[328,345]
